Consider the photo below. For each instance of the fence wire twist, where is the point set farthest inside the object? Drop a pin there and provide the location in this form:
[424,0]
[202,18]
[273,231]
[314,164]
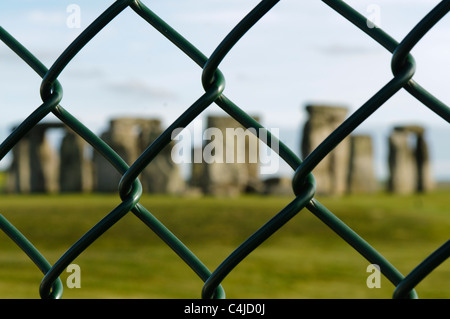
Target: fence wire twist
[303,183]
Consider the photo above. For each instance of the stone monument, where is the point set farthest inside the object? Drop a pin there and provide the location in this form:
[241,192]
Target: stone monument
[129,137]
[230,161]
[75,170]
[409,163]
[361,178]
[331,173]
[35,163]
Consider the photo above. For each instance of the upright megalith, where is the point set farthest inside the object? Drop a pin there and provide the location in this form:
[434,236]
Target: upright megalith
[229,164]
[121,138]
[361,178]
[44,160]
[19,172]
[35,163]
[162,175]
[75,170]
[129,138]
[409,163]
[425,180]
[331,173]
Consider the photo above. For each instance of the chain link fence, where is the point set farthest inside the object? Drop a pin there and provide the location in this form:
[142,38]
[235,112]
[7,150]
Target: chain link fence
[303,183]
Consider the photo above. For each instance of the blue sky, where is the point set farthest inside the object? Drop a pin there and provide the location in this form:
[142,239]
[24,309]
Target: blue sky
[301,52]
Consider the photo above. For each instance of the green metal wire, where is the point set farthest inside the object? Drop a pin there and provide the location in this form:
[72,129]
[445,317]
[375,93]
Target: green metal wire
[32,252]
[213,81]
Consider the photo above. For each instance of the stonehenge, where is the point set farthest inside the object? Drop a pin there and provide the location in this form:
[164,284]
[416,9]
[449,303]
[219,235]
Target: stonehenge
[361,177]
[130,137]
[39,168]
[409,163]
[349,168]
[33,167]
[234,165]
[226,164]
[75,169]
[332,172]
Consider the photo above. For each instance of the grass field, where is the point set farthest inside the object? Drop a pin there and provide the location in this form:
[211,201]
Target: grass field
[305,259]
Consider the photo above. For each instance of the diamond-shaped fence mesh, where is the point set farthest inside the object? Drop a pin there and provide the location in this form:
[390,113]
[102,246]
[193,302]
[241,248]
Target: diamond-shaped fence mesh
[213,81]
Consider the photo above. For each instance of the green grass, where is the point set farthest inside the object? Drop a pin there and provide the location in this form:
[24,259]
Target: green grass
[304,259]
[3,178]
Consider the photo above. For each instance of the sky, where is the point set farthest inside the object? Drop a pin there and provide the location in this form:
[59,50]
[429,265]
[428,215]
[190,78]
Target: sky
[301,52]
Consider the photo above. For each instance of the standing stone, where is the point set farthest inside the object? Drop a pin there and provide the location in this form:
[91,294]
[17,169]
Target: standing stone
[425,177]
[409,164]
[162,175]
[35,162]
[49,161]
[361,173]
[129,137]
[44,160]
[122,138]
[402,164]
[19,173]
[106,177]
[230,162]
[331,173]
[76,166]
[197,167]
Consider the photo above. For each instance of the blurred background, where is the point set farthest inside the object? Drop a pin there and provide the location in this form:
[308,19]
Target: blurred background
[301,53]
